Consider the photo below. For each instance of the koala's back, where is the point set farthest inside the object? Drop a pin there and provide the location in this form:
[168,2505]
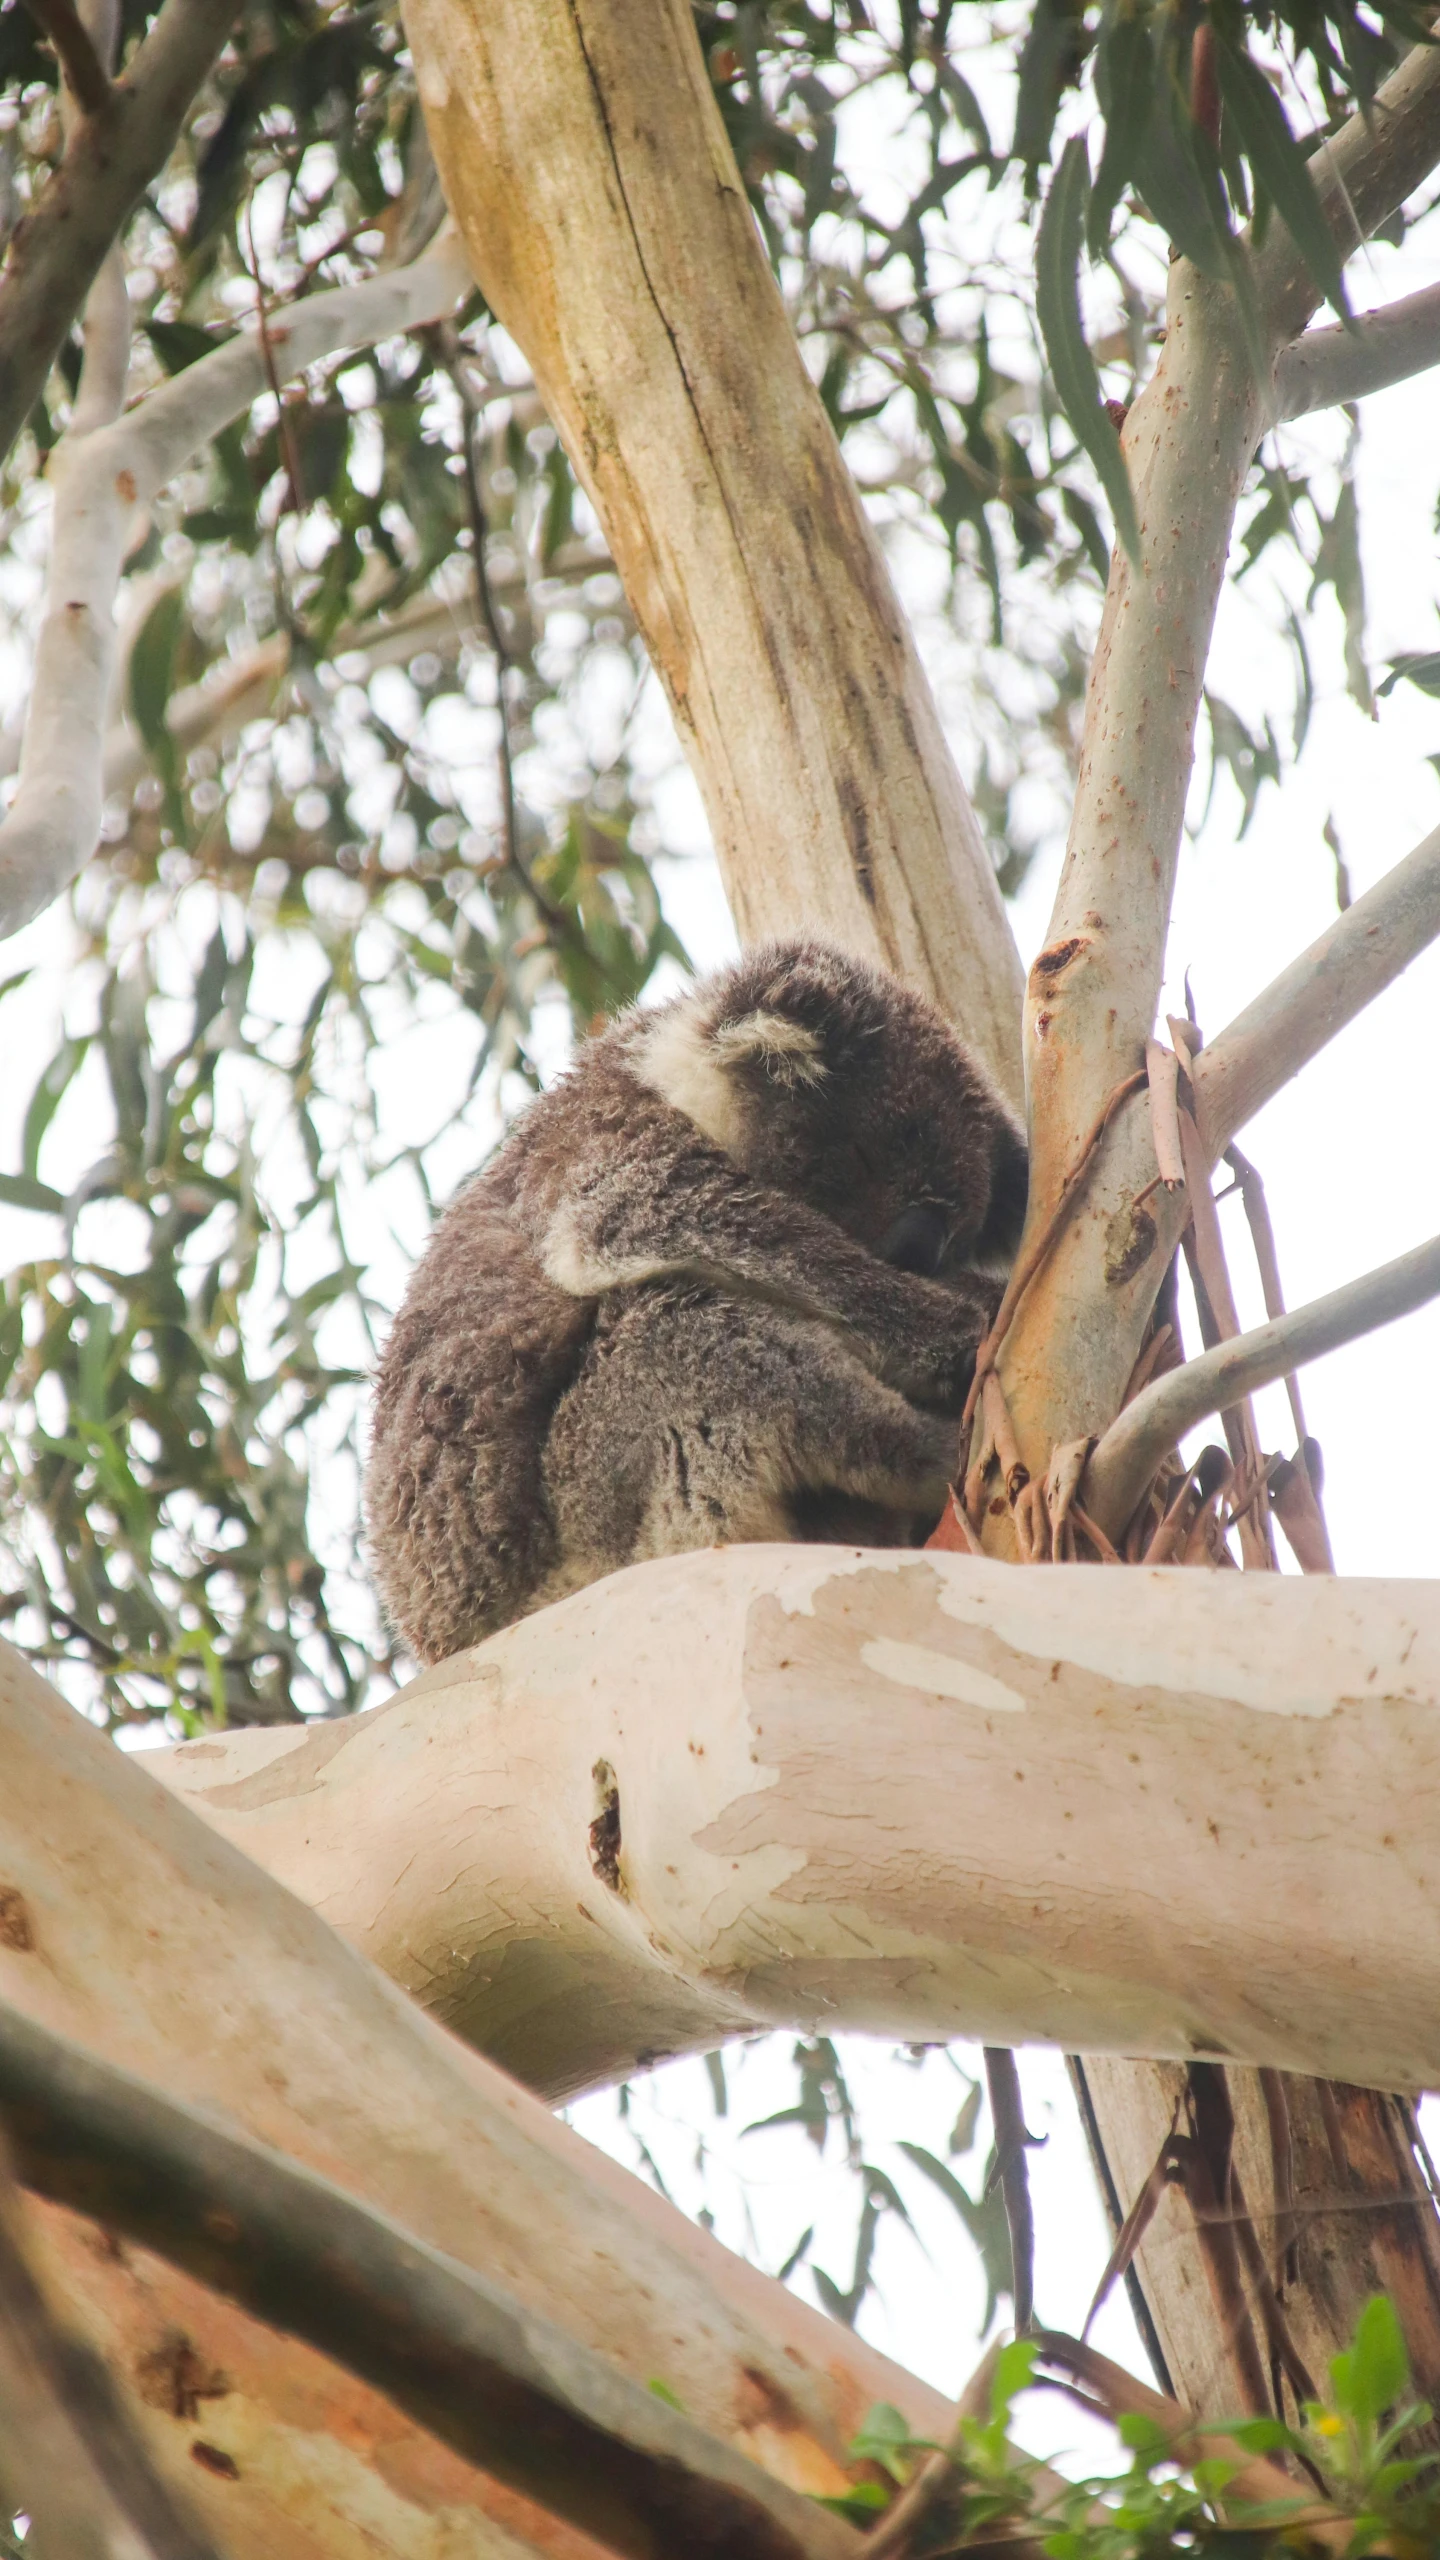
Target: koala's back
[723,1281]
[482,1350]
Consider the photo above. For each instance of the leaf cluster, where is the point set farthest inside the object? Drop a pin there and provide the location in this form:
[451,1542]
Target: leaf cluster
[1354,2481]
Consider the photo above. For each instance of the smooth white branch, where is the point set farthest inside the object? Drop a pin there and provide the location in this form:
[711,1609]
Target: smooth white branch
[1123,1462]
[1151,1812]
[1292,1020]
[104,472]
[1327,366]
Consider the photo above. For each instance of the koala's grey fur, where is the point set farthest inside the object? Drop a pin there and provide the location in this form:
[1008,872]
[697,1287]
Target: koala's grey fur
[726,1281]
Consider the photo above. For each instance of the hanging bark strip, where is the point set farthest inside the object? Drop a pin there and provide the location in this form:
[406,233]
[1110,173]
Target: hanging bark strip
[1297,1505]
[1035,1254]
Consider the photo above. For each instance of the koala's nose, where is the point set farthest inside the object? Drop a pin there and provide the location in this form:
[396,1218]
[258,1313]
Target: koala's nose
[916,1241]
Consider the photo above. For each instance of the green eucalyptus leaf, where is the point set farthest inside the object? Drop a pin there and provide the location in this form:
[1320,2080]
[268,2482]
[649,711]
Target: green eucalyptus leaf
[152,667]
[22,1191]
[1125,86]
[1280,165]
[1077,384]
[1375,2372]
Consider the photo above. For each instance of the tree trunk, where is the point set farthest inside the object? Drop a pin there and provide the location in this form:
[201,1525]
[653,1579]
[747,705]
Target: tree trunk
[1350,2214]
[584,157]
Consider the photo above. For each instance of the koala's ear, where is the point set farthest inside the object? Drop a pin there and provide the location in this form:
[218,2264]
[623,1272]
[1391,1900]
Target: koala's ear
[788,1051]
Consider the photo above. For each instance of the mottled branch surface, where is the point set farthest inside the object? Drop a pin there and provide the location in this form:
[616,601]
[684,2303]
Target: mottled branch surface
[585,160]
[1154,1811]
[128,1926]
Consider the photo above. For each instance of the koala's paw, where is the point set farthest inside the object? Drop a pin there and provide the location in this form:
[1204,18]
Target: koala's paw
[935,1370]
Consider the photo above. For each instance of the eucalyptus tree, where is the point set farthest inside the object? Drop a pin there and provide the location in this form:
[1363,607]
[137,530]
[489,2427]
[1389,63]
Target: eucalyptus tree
[360,530]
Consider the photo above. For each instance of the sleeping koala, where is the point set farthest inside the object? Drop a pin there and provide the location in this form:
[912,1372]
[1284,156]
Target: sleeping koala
[726,1281]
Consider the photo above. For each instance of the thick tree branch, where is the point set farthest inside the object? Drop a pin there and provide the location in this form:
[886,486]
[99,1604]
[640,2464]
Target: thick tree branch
[1351,963]
[509,2390]
[1369,168]
[103,471]
[129,1927]
[585,159]
[110,158]
[84,71]
[1173,1787]
[1126,1458]
[1328,366]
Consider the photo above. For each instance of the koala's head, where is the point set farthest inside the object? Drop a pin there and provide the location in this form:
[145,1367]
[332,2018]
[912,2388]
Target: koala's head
[831,1081]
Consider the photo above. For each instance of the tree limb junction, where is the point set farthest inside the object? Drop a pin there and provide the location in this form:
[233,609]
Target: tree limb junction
[110,158]
[1126,1458]
[65,30]
[100,479]
[131,1928]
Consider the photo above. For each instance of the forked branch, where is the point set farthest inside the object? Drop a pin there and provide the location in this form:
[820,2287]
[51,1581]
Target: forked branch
[110,158]
[1124,1461]
[1369,167]
[103,472]
[1351,963]
[84,71]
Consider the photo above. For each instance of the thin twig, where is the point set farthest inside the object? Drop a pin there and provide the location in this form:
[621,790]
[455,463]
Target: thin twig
[1125,1459]
[84,71]
[894,2535]
[1012,2140]
[491,626]
[1256,2481]
[284,423]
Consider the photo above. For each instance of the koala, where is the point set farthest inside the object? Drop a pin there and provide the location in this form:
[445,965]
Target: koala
[726,1281]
